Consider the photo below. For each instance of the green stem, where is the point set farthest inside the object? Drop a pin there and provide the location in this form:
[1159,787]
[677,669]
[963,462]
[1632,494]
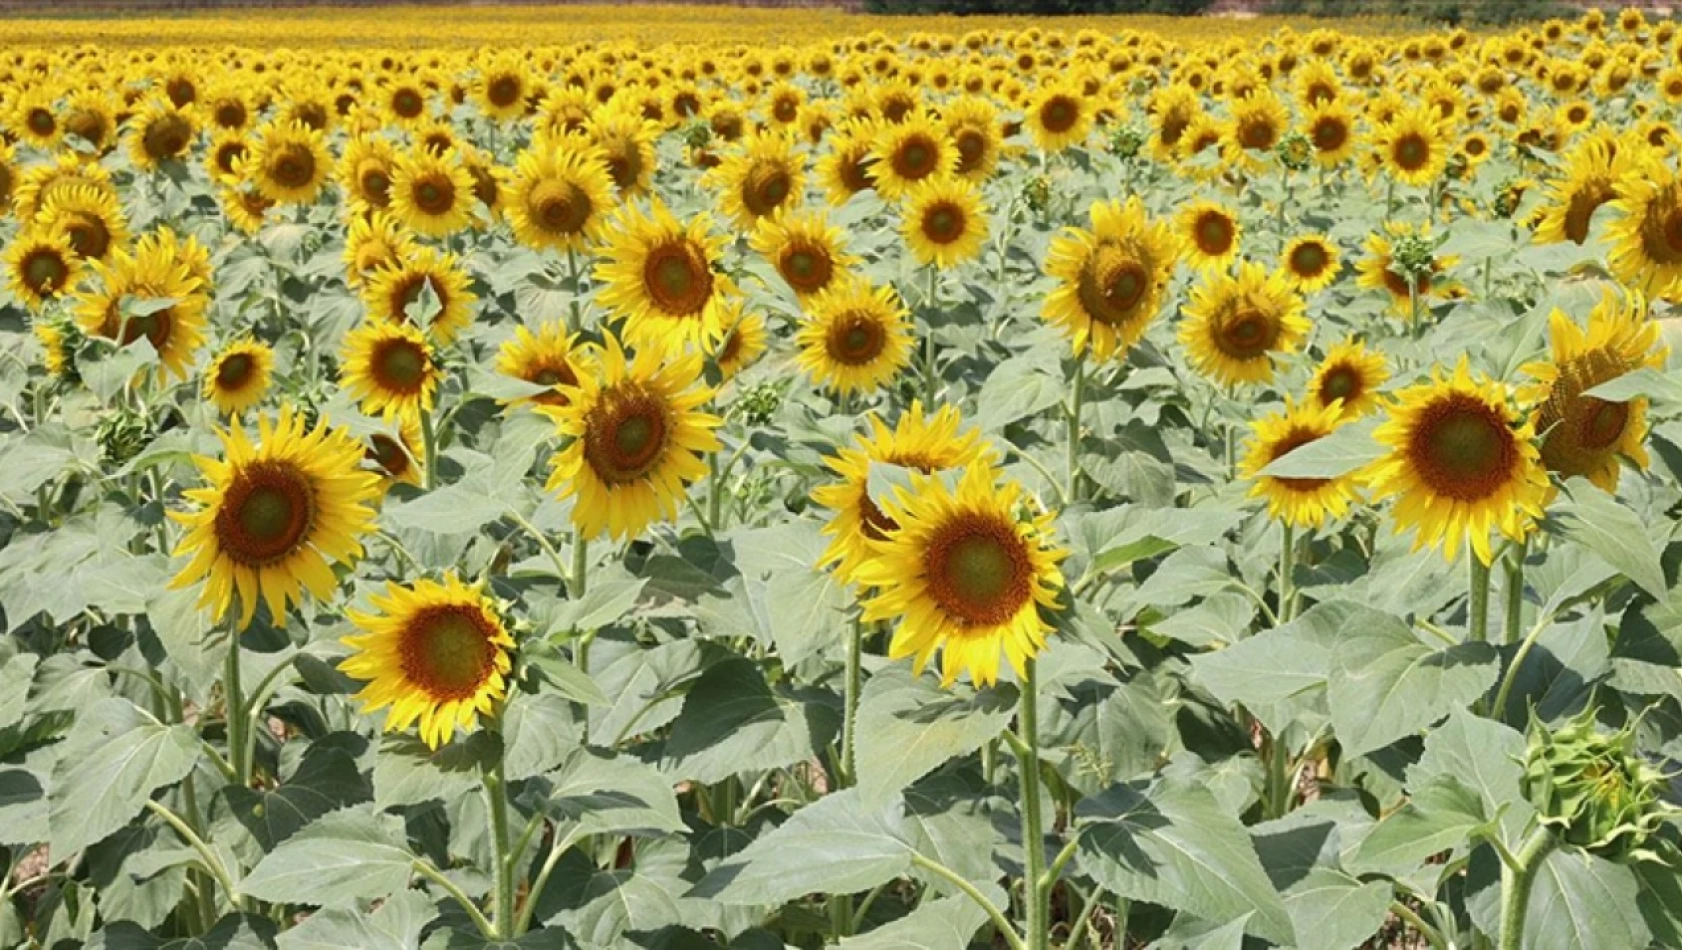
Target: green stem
[1076,400]
[496,794]
[1287,571]
[575,316]
[715,492]
[850,707]
[450,887]
[557,850]
[1477,620]
[1033,835]
[1515,887]
[233,697]
[1511,676]
[543,543]
[580,566]
[1277,802]
[1514,616]
[255,705]
[429,445]
[212,863]
[1430,933]
[969,890]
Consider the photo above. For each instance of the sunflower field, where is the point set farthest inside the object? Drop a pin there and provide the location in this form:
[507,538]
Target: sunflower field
[698,482]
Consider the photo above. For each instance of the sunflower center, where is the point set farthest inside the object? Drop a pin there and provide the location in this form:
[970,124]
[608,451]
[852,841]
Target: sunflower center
[1602,424]
[1584,202]
[552,375]
[167,137]
[435,195]
[1309,260]
[447,651]
[503,91]
[228,155]
[1059,114]
[292,166]
[766,188]
[376,182]
[978,570]
[944,222]
[1411,152]
[915,158]
[89,237]
[407,103]
[235,371]
[1340,382]
[1112,285]
[1247,335]
[807,269]
[180,91]
[45,272]
[1257,134]
[229,115]
[384,451]
[87,123]
[1662,227]
[624,165]
[41,122]
[972,148]
[1214,234]
[625,434]
[401,365]
[677,278]
[266,513]
[854,171]
[559,206]
[1462,449]
[856,339]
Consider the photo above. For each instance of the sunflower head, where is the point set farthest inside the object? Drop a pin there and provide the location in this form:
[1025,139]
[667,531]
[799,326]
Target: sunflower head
[86,216]
[1058,117]
[1110,279]
[966,572]
[550,357]
[743,341]
[1301,502]
[1209,233]
[432,192]
[1235,326]
[393,293]
[856,337]
[943,222]
[909,152]
[398,456]
[1647,238]
[391,368]
[238,376]
[431,653]
[660,276]
[1349,377]
[559,198]
[760,179]
[289,163]
[805,249]
[1310,262]
[42,267]
[161,133]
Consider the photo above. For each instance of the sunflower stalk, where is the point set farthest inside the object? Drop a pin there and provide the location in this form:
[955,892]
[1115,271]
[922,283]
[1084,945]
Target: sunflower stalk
[429,444]
[1076,401]
[1035,889]
[1513,618]
[1516,881]
[233,698]
[850,703]
[1477,609]
[495,775]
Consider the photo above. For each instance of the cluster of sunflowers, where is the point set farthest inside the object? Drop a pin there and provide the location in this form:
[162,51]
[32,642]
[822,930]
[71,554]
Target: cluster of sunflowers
[642,250]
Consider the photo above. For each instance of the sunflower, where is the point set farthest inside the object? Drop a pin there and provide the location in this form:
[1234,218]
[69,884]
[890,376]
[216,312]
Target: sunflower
[366,169]
[238,376]
[1310,262]
[289,163]
[943,221]
[227,109]
[856,337]
[57,351]
[550,357]
[743,343]
[405,101]
[390,367]
[42,267]
[1300,502]
[635,440]
[1413,146]
[501,91]
[69,172]
[431,192]
[1057,117]
[1210,233]
[436,654]
[964,573]
[160,133]
[1646,238]
[926,443]
[1235,325]
[626,141]
[152,293]
[390,291]
[1111,279]
[847,168]
[1259,121]
[244,206]
[1330,129]
[275,516]
[559,198]
[760,179]
[374,241]
[909,152]
[1379,270]
[399,456]
[88,115]
[33,118]
[226,157]
[972,123]
[1349,377]
[660,275]
[8,177]
[1581,434]
[805,249]
[1592,169]
[89,218]
[1458,463]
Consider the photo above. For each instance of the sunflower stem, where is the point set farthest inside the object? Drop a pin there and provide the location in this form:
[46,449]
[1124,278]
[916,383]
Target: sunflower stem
[973,893]
[931,378]
[429,444]
[1035,890]
[1477,619]
[1514,616]
[850,701]
[1076,401]
[496,792]
[1287,571]
[1515,887]
[575,310]
[715,493]
[233,697]
[426,870]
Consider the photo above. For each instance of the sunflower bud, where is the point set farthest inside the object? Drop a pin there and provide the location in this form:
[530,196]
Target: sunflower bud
[122,434]
[1594,789]
[697,135]
[1037,192]
[1126,140]
[1294,151]
[1415,254]
[759,405]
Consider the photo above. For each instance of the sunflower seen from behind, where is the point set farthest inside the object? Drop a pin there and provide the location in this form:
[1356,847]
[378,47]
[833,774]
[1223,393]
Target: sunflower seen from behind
[967,572]
[924,442]
[856,337]
[1299,502]
[238,376]
[1234,327]
[275,516]
[661,276]
[390,368]
[1459,463]
[1111,278]
[433,654]
[943,221]
[633,440]
[1582,435]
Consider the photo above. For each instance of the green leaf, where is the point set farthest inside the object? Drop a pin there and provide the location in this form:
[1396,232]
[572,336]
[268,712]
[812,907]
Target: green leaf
[1019,387]
[607,794]
[408,772]
[1330,908]
[1581,902]
[233,932]
[32,460]
[1118,536]
[836,845]
[806,608]
[1189,933]
[354,854]
[115,757]
[733,721]
[908,727]
[1174,845]
[1643,383]
[425,306]
[1346,449]
[948,923]
[538,730]
[1439,817]
[1596,520]
[1386,684]
[326,779]
[395,925]
[1484,756]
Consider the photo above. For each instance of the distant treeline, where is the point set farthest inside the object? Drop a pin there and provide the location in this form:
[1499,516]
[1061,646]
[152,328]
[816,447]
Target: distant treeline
[1038,7]
[1455,12]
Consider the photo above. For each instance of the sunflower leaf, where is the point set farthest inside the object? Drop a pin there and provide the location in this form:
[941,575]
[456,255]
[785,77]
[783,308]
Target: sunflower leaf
[1346,449]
